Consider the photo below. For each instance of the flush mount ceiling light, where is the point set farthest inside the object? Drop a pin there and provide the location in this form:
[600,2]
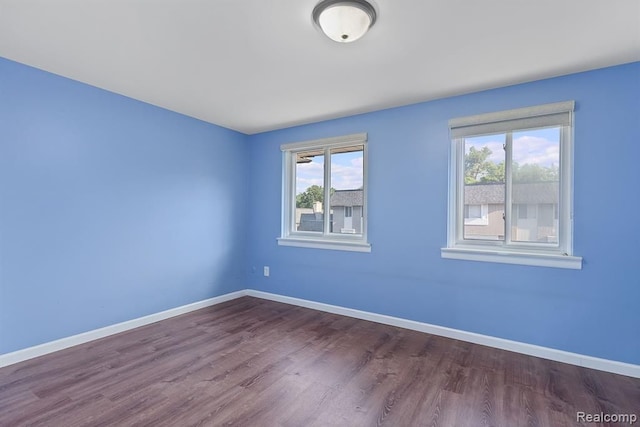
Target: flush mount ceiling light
[344,21]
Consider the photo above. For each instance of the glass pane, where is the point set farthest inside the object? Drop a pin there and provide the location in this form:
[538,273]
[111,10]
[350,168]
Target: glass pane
[309,215]
[536,189]
[472,211]
[347,195]
[484,187]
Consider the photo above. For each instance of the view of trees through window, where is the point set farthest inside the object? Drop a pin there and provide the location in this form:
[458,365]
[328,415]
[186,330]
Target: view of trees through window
[346,175]
[312,194]
[534,185]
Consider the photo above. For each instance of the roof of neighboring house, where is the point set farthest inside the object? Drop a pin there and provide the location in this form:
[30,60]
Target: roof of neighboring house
[528,192]
[483,194]
[347,198]
[536,192]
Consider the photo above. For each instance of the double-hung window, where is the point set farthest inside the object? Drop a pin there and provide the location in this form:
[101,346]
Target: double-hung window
[324,194]
[510,187]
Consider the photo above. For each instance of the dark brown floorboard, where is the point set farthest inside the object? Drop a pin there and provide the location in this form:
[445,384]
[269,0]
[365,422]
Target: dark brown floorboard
[251,362]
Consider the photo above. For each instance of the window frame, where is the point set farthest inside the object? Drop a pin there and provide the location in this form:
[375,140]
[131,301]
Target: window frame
[509,251]
[289,236]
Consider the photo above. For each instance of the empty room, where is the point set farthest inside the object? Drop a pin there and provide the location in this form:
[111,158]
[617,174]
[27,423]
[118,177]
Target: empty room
[319,213]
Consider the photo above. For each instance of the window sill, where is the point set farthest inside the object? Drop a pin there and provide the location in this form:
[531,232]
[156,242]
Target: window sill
[521,258]
[336,245]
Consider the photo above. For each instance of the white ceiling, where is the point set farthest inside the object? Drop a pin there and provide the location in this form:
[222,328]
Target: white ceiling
[257,65]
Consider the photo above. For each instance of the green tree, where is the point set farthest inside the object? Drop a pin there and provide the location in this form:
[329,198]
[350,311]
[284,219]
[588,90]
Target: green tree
[313,194]
[532,172]
[478,168]
[494,172]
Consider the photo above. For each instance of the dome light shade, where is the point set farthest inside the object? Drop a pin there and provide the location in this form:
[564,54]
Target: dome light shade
[344,21]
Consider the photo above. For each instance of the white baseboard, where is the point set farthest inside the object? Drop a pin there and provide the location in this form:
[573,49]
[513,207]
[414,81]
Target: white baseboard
[606,365]
[49,347]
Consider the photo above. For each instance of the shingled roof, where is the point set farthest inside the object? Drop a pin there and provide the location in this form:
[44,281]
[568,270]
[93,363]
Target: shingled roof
[347,198]
[483,194]
[528,192]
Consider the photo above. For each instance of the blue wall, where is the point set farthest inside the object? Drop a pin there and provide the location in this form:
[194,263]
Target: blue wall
[110,209]
[593,311]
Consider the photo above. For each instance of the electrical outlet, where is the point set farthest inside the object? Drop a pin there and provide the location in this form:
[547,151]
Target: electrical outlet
[266,271]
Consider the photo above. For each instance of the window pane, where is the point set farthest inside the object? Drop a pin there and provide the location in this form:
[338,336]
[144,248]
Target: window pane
[309,214]
[535,185]
[473,211]
[484,185]
[347,195]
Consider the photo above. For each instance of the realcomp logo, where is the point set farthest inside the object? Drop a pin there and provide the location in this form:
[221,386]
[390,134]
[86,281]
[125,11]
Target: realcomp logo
[583,417]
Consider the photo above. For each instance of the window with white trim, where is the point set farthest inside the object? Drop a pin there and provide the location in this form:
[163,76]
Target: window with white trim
[324,183]
[511,189]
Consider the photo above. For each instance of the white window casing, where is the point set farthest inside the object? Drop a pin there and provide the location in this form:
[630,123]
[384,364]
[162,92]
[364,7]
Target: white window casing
[556,254]
[322,240]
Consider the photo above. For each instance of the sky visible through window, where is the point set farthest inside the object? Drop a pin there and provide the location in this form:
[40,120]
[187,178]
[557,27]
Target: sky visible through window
[346,172]
[536,146]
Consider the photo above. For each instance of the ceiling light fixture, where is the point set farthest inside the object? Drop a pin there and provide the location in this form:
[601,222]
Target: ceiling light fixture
[344,21]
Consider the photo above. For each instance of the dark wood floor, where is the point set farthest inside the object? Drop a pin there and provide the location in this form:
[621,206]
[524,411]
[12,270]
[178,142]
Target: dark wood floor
[251,362]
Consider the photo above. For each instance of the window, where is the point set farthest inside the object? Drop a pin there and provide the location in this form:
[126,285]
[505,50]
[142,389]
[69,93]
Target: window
[472,211]
[324,194]
[476,214]
[510,187]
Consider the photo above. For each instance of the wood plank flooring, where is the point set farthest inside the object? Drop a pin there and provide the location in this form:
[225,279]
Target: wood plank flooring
[251,362]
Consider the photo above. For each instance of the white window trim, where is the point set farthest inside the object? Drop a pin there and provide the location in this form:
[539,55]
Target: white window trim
[545,255]
[325,240]
[513,257]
